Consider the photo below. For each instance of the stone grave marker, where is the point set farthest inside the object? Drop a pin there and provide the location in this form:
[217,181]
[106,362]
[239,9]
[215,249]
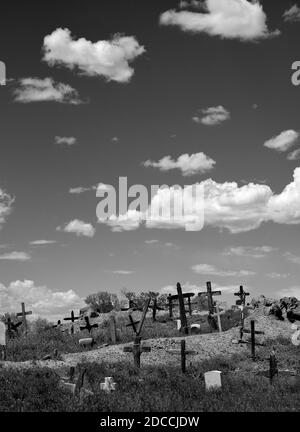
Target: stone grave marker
[213,380]
[108,385]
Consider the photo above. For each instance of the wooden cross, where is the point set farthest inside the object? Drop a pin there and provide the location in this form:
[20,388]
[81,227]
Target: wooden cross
[209,293]
[113,329]
[12,326]
[133,306]
[218,315]
[171,298]
[23,315]
[132,323]
[141,322]
[137,349]
[253,332]
[73,318]
[183,319]
[57,325]
[242,295]
[88,326]
[155,308]
[183,352]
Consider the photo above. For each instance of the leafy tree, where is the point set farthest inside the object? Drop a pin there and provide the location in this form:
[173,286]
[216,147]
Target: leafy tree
[102,302]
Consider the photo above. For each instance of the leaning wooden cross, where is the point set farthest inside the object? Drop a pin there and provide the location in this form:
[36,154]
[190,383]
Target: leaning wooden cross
[253,332]
[72,318]
[209,294]
[137,349]
[218,315]
[23,315]
[183,352]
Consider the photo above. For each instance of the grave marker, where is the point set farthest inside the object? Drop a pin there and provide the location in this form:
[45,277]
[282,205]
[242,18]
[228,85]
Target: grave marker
[108,385]
[183,353]
[213,380]
[137,349]
[273,367]
[72,318]
[23,315]
[171,298]
[89,327]
[252,332]
[182,309]
[12,327]
[209,294]
[218,315]
[113,329]
[155,308]
[242,295]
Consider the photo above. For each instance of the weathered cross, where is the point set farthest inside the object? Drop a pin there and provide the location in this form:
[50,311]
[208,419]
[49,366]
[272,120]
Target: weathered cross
[12,326]
[253,332]
[140,323]
[88,326]
[183,352]
[209,294]
[242,295]
[73,318]
[155,308]
[218,315]
[171,298]
[57,325]
[23,315]
[183,319]
[137,349]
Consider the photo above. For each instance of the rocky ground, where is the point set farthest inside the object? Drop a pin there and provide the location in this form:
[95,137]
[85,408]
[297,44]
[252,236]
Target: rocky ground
[206,346]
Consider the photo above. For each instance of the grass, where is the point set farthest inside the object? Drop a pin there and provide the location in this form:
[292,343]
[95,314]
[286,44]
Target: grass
[43,341]
[150,389]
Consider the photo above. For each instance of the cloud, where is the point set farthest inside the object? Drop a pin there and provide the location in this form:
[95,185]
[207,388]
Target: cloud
[45,90]
[188,164]
[39,299]
[109,59]
[289,292]
[292,14]
[82,189]
[81,229]
[282,142]
[226,206]
[212,116]
[275,275]
[68,141]
[253,252]
[292,257]
[15,256]
[151,241]
[294,155]
[42,242]
[122,272]
[210,270]
[6,202]
[228,19]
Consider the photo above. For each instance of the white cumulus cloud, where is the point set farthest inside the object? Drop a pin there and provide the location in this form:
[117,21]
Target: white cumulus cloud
[15,256]
[228,19]
[68,141]
[211,270]
[78,227]
[6,202]
[188,164]
[292,14]
[42,301]
[110,59]
[282,142]
[212,116]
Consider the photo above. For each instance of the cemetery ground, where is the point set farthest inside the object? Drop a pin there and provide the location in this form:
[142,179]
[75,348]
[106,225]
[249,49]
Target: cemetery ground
[28,383]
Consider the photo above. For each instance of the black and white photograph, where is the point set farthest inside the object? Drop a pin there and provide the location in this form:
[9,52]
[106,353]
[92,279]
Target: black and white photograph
[149,210]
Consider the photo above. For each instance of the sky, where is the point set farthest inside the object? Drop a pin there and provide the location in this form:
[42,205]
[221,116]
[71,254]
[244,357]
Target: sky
[163,93]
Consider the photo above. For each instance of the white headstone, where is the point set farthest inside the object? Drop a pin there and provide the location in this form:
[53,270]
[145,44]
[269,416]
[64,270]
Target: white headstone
[108,384]
[2,334]
[86,342]
[213,380]
[178,324]
[296,338]
[196,326]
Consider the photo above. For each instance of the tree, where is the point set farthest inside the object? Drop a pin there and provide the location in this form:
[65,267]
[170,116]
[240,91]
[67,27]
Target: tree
[102,302]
